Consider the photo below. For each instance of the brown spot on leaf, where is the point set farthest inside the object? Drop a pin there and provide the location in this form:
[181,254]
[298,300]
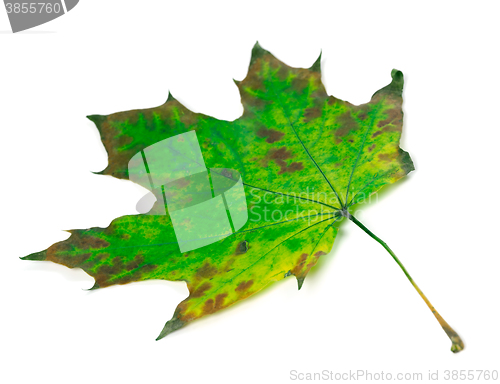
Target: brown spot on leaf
[302,260]
[199,291]
[207,271]
[394,117]
[279,156]
[311,113]
[386,157]
[219,300]
[182,311]
[241,248]
[138,260]
[294,167]
[244,286]
[253,101]
[107,269]
[388,128]
[346,124]
[371,147]
[271,134]
[210,306]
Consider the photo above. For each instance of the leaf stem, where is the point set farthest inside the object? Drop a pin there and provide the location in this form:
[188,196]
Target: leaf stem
[457,343]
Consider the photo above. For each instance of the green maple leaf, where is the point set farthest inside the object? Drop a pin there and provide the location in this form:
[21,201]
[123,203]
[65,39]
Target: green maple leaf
[305,158]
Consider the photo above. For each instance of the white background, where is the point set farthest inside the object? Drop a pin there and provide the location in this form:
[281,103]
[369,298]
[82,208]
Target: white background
[356,310]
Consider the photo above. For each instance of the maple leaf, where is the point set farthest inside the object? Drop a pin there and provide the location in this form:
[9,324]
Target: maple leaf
[304,159]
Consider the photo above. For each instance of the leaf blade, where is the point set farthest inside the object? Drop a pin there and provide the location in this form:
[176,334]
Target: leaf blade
[298,151]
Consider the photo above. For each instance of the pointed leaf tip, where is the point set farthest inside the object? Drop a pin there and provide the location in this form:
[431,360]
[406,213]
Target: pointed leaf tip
[257,51]
[96,119]
[170,97]
[93,288]
[316,67]
[300,281]
[38,256]
[172,325]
